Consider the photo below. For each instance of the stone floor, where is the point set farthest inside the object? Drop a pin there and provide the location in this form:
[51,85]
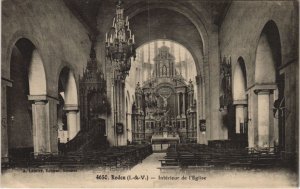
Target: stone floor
[146,174]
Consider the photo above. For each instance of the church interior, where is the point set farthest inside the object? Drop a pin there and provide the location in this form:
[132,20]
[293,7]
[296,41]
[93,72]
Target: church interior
[110,83]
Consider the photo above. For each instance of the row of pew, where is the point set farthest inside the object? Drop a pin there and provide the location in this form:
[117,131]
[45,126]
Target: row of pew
[112,158]
[185,156]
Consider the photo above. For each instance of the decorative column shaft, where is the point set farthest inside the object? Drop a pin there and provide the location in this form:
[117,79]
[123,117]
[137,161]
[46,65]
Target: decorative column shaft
[178,104]
[183,104]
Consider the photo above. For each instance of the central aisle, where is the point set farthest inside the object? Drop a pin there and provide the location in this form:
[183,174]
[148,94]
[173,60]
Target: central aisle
[150,165]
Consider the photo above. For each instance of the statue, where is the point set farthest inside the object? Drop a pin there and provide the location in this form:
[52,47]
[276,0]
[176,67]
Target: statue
[191,86]
[165,100]
[225,92]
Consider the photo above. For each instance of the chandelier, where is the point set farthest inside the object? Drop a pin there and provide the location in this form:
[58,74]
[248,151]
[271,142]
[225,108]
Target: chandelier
[119,42]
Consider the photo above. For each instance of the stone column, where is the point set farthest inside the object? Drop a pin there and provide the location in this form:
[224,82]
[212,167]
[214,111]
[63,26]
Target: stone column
[4,138]
[40,142]
[239,114]
[115,113]
[133,126]
[53,127]
[178,105]
[136,126]
[120,101]
[72,111]
[239,117]
[263,111]
[183,104]
[274,129]
[201,136]
[78,128]
[123,137]
[111,98]
[85,111]
[44,124]
[252,118]
[216,130]
[117,101]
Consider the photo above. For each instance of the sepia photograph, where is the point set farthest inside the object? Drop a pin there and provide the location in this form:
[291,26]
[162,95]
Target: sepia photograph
[149,94]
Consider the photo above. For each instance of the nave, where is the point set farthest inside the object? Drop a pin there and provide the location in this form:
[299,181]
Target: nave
[209,86]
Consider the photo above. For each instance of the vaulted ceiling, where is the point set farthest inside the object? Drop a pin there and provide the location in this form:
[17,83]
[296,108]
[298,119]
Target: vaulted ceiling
[187,22]
[87,11]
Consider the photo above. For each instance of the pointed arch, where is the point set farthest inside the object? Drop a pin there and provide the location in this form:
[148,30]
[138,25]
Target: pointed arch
[268,54]
[239,80]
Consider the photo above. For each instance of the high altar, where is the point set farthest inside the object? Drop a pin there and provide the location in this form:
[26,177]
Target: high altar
[164,111]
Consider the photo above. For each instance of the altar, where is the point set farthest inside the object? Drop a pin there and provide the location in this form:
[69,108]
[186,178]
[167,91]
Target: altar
[164,111]
[162,140]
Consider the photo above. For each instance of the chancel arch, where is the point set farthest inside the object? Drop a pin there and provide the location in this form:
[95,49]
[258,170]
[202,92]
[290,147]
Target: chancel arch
[200,24]
[196,41]
[193,41]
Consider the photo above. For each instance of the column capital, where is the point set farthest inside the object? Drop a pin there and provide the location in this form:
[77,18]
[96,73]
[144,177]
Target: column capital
[44,98]
[240,102]
[262,87]
[71,107]
[262,91]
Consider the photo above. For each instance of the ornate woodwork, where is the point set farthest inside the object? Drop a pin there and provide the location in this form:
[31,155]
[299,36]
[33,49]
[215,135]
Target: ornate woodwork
[165,104]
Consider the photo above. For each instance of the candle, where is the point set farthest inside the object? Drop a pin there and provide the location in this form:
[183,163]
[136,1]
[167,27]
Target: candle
[126,20]
[114,22]
[106,37]
[133,38]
